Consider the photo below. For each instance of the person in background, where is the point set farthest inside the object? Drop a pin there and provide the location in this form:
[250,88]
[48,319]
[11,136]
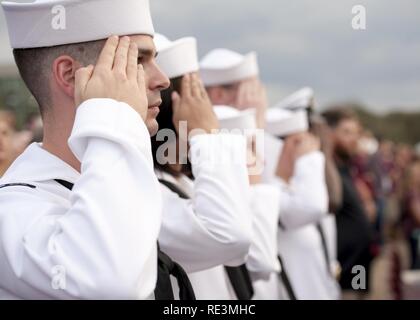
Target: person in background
[296,168]
[7,132]
[354,232]
[208,257]
[403,158]
[328,225]
[410,205]
[364,177]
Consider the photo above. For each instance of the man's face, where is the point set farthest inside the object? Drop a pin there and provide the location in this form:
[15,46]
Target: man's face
[156,80]
[346,136]
[224,95]
[6,136]
[228,94]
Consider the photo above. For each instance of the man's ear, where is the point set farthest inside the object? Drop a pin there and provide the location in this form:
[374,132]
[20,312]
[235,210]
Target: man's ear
[64,70]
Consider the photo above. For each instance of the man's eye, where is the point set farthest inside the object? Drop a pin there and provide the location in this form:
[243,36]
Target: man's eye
[140,59]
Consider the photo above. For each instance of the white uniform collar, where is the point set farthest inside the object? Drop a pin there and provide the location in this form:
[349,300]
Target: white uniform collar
[36,164]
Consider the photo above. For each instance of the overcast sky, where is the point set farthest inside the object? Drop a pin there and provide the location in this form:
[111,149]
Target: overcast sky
[306,42]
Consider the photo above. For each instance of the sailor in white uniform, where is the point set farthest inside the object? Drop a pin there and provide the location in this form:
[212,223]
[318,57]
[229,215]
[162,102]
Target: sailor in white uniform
[98,241]
[325,285]
[227,188]
[231,78]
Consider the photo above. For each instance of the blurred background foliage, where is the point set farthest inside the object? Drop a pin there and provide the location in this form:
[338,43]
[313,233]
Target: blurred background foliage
[15,96]
[400,127]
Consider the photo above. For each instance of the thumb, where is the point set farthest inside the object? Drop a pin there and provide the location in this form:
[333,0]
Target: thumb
[81,78]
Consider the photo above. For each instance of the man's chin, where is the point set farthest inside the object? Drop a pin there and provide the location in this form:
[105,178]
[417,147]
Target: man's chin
[152,127]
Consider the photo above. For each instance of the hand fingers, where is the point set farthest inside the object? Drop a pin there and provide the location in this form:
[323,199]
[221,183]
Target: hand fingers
[132,65]
[240,96]
[200,86]
[248,94]
[141,81]
[293,141]
[82,77]
[203,90]
[176,102]
[186,86]
[258,91]
[106,57]
[195,86]
[263,93]
[251,94]
[121,55]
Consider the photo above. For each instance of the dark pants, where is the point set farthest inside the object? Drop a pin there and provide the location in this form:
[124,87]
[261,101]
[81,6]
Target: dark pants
[415,249]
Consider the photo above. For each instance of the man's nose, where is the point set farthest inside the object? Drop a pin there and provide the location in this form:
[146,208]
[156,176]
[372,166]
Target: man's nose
[159,80]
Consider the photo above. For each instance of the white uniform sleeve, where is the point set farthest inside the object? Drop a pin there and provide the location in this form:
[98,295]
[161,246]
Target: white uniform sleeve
[103,242]
[215,226]
[305,199]
[265,205]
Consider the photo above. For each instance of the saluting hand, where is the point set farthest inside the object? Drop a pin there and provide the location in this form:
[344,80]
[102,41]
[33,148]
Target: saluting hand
[116,76]
[286,162]
[252,94]
[308,143]
[294,147]
[193,106]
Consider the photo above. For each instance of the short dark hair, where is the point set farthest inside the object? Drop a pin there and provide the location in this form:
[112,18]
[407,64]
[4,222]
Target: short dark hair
[335,115]
[165,121]
[34,65]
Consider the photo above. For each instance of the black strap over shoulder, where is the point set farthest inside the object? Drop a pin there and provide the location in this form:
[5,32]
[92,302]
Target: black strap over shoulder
[166,268]
[286,280]
[65,184]
[241,282]
[239,276]
[174,188]
[324,247]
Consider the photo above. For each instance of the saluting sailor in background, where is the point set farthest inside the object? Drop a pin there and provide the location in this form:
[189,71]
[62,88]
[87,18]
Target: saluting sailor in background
[98,241]
[263,260]
[297,169]
[317,241]
[216,200]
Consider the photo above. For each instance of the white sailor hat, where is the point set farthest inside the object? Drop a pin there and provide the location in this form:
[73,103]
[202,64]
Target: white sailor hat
[301,99]
[176,58]
[222,66]
[281,122]
[47,23]
[231,118]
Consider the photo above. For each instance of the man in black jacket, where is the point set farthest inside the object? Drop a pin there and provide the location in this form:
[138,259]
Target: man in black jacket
[354,232]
